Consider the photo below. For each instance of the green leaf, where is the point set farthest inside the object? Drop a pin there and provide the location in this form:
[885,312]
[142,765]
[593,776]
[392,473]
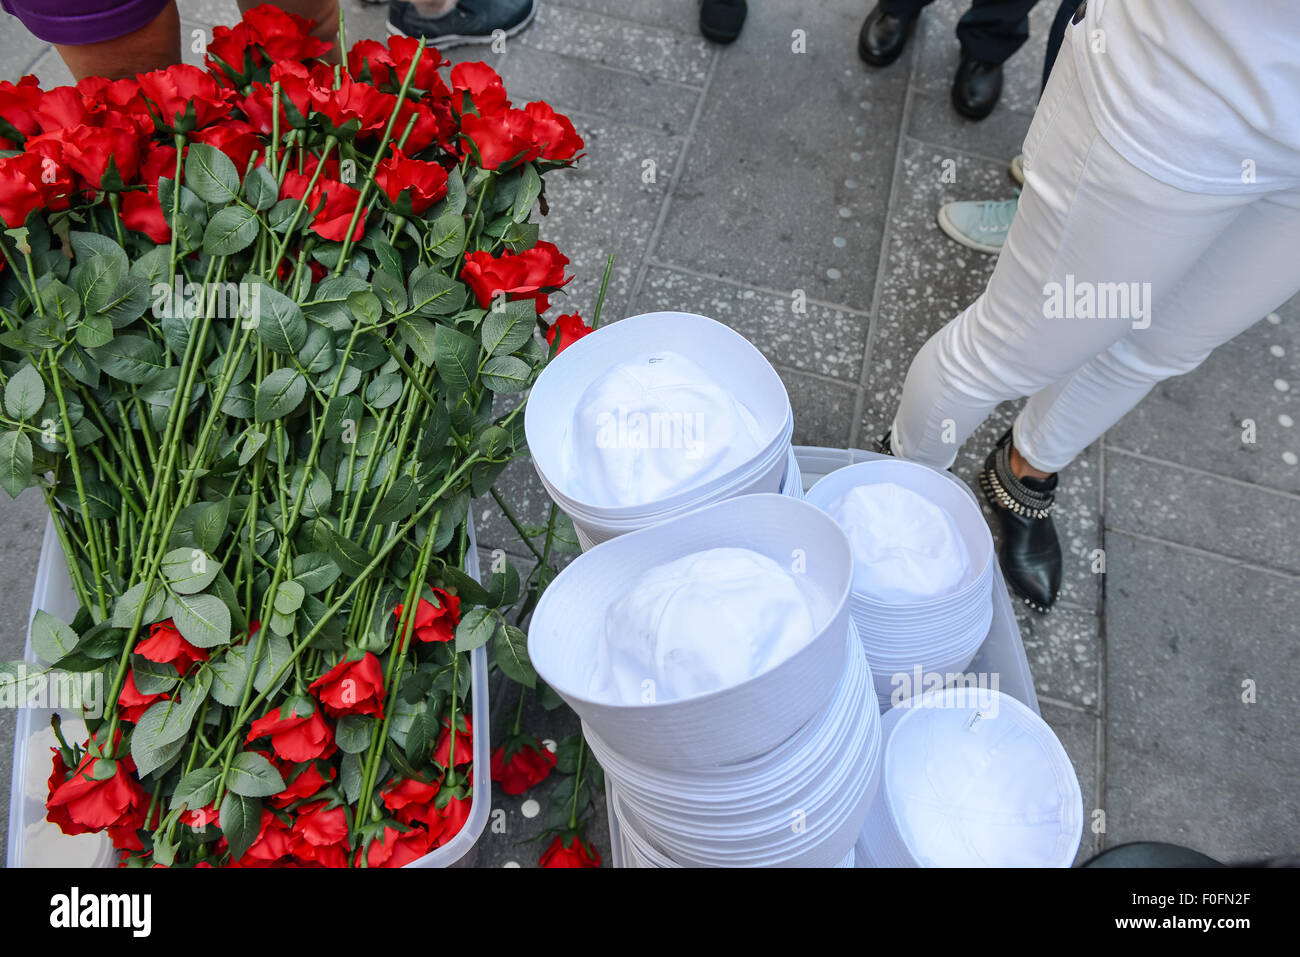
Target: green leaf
[150,755]
[260,188]
[315,571]
[504,587]
[15,462]
[197,789]
[98,279]
[456,357]
[434,294]
[88,246]
[456,194]
[252,444]
[24,393]
[418,333]
[152,677]
[202,620]
[288,597]
[60,302]
[391,292]
[210,523]
[211,174]
[124,610]
[168,721]
[398,502]
[94,331]
[52,640]
[232,229]
[383,391]
[446,237]
[510,652]
[230,675]
[279,394]
[129,358]
[352,733]
[506,374]
[476,628]
[189,570]
[241,820]
[350,777]
[530,187]
[279,320]
[509,327]
[273,655]
[351,558]
[253,776]
[421,735]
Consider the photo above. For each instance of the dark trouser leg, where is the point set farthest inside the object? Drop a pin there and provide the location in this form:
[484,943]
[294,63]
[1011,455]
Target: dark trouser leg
[903,9]
[1057,35]
[991,30]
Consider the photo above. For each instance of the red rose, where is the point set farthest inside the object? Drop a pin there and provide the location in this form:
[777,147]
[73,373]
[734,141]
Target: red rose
[295,737]
[64,107]
[425,183]
[352,687]
[96,805]
[88,149]
[450,820]
[520,763]
[284,35]
[131,704]
[58,813]
[30,181]
[18,103]
[570,329]
[236,139]
[395,848]
[433,124]
[442,754]
[274,841]
[306,782]
[361,102]
[321,825]
[334,200]
[228,47]
[434,622]
[553,134]
[185,97]
[115,103]
[293,78]
[402,51]
[502,139]
[166,646]
[411,801]
[530,274]
[141,209]
[577,854]
[482,83]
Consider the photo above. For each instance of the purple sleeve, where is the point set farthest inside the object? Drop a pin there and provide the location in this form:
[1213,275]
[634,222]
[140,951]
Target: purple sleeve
[77,22]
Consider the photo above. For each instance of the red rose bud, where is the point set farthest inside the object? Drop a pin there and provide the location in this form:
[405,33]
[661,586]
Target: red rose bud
[141,209]
[434,622]
[464,754]
[521,763]
[96,804]
[64,107]
[58,813]
[334,200]
[424,183]
[18,103]
[29,182]
[411,801]
[527,275]
[274,842]
[166,646]
[577,854]
[320,825]
[185,98]
[570,329]
[395,848]
[352,687]
[482,83]
[352,101]
[295,737]
[553,133]
[284,35]
[228,50]
[131,704]
[236,139]
[449,821]
[304,783]
[501,139]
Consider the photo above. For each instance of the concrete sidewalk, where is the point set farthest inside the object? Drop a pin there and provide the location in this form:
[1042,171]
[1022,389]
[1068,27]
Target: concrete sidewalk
[780,174]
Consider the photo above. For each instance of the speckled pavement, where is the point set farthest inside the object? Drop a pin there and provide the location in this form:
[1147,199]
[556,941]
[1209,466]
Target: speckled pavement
[735,181]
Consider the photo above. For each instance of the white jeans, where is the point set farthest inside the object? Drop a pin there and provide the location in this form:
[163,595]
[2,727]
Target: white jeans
[1168,275]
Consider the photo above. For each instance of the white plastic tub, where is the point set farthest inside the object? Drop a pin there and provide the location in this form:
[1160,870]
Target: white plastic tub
[1002,653]
[34,842]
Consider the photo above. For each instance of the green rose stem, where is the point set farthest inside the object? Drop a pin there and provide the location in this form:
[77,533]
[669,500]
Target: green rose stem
[115,201]
[577,784]
[379,155]
[31,275]
[393,671]
[178,140]
[99,611]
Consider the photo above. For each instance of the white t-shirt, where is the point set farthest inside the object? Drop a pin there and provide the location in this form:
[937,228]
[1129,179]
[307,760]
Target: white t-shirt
[1201,94]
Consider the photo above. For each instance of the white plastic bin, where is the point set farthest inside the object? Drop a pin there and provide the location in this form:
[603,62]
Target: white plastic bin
[34,842]
[1003,652]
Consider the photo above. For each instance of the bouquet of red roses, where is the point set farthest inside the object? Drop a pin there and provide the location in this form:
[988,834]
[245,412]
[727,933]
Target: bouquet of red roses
[254,319]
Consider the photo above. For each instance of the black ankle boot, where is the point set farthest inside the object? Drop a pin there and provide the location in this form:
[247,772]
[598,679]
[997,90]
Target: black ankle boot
[1031,552]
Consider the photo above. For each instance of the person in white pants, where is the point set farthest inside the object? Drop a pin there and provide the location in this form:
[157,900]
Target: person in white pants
[1160,218]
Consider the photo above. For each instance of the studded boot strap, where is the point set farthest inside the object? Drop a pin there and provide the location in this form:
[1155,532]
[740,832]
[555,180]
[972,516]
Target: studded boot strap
[1001,485]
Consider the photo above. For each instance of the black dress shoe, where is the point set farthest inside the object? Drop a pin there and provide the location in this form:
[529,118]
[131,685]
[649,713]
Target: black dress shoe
[883,37]
[976,88]
[721,20]
[1031,552]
